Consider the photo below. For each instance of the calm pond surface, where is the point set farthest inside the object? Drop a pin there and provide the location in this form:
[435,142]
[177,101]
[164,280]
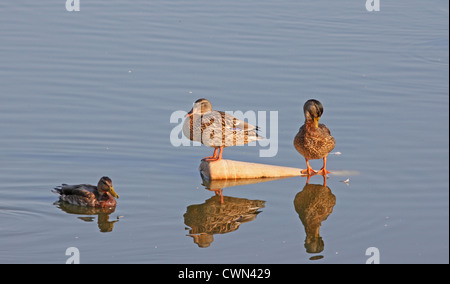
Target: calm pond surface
[90,94]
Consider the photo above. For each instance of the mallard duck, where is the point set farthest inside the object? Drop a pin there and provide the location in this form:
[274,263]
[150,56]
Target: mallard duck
[217,129]
[102,195]
[314,140]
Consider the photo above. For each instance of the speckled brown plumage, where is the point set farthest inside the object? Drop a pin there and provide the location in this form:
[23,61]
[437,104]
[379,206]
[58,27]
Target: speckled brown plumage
[314,140]
[217,129]
[314,143]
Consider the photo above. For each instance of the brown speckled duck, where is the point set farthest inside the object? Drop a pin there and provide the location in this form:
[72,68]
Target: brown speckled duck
[102,195]
[217,129]
[314,140]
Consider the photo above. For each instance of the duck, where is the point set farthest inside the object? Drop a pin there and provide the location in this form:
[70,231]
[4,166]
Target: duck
[217,129]
[314,140]
[100,196]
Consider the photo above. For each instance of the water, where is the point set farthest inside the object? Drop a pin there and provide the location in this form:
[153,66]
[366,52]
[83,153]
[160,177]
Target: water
[90,93]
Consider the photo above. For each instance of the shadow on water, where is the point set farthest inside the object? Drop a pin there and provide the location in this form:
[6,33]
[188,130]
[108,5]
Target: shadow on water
[103,222]
[313,205]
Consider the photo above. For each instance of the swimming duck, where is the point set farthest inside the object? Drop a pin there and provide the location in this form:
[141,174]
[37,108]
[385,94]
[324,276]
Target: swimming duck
[217,129]
[314,140]
[102,195]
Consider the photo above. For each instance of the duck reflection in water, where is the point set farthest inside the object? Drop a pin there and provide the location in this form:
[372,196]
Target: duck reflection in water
[213,217]
[219,214]
[313,205]
[103,222]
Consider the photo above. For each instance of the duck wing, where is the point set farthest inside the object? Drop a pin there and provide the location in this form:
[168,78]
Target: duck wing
[82,194]
[234,123]
[82,190]
[221,119]
[225,130]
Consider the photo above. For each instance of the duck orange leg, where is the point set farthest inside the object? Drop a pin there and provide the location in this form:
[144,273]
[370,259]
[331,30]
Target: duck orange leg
[307,180]
[215,157]
[324,181]
[220,154]
[308,170]
[219,193]
[323,171]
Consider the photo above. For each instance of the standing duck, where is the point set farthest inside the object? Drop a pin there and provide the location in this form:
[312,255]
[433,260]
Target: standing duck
[217,129]
[102,195]
[314,140]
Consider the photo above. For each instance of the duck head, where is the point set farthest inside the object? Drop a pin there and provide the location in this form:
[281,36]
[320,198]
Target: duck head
[201,106]
[313,110]
[105,185]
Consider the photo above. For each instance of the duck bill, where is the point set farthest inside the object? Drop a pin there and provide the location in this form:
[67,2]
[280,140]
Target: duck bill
[189,114]
[113,193]
[316,122]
